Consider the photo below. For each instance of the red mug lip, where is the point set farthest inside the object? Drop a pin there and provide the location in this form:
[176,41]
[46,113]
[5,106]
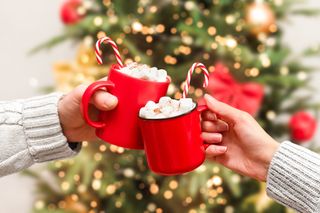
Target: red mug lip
[116,68]
[177,116]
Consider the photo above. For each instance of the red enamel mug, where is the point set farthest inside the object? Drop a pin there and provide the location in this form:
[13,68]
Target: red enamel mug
[120,126]
[173,145]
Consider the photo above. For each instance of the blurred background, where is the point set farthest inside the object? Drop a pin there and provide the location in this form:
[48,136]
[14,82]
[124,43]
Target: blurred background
[265,29]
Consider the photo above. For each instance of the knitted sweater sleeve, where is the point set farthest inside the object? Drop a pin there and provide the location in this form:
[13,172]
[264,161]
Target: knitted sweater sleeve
[30,132]
[294,178]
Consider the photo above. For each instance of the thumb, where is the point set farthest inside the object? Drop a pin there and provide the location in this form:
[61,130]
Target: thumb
[223,110]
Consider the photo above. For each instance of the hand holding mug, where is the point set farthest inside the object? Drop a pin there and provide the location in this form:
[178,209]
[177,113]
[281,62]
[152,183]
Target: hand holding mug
[74,126]
[250,148]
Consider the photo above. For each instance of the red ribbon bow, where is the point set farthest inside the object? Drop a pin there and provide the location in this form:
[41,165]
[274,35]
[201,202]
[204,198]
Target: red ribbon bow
[243,96]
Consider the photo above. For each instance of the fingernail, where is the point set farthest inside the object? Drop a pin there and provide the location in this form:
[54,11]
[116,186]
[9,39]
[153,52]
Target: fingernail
[224,127]
[207,96]
[219,136]
[212,116]
[111,102]
[221,149]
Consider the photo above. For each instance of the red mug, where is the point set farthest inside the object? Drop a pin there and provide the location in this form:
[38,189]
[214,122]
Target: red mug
[174,145]
[120,126]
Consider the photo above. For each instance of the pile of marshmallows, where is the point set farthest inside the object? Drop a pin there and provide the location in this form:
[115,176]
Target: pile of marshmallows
[143,71]
[167,107]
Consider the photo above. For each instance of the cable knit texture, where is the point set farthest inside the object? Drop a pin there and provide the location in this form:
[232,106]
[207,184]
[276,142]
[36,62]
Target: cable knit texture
[294,178]
[30,132]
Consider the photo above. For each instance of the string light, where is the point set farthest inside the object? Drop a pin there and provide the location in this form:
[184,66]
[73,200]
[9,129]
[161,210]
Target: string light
[202,206]
[302,76]
[200,24]
[76,178]
[189,5]
[153,9]
[212,31]
[168,59]
[82,188]
[230,19]
[265,61]
[128,172]
[65,186]
[61,174]
[151,207]
[102,148]
[97,156]
[271,115]
[168,194]
[118,204]
[136,26]
[39,204]
[98,21]
[284,70]
[140,10]
[149,39]
[139,196]
[159,210]
[96,184]
[154,188]
[188,200]
[189,21]
[111,189]
[173,184]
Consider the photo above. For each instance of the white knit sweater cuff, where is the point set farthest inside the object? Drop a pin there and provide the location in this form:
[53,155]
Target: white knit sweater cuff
[294,178]
[42,128]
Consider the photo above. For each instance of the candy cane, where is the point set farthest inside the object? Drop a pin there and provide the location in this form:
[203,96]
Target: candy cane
[188,80]
[114,47]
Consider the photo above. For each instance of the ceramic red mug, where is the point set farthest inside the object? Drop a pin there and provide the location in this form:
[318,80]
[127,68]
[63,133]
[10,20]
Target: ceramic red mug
[174,145]
[120,126]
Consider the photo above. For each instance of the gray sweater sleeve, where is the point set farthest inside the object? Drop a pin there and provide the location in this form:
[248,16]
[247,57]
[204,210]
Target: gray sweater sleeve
[30,132]
[294,178]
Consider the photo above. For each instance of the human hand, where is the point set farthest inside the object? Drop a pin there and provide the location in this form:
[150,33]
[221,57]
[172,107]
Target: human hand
[73,125]
[249,148]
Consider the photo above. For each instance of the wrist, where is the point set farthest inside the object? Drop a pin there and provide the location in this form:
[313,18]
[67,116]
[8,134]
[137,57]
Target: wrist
[270,150]
[61,114]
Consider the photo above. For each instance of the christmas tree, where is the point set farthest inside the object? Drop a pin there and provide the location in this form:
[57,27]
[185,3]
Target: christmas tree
[240,43]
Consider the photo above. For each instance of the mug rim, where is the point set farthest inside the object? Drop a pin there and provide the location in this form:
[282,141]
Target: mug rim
[116,68]
[163,119]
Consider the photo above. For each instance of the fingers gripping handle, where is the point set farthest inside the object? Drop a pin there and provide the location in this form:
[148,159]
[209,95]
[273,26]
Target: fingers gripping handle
[86,101]
[201,109]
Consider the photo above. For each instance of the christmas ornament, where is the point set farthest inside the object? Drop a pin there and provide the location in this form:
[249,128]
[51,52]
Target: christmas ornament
[260,18]
[69,11]
[75,206]
[244,96]
[302,126]
[84,70]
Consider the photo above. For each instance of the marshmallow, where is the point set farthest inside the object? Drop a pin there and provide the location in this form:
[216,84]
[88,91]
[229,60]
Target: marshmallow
[151,106]
[186,104]
[175,104]
[164,101]
[166,108]
[142,71]
[143,112]
[162,75]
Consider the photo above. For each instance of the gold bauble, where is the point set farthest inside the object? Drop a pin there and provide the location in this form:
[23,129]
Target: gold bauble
[260,18]
[75,206]
[84,70]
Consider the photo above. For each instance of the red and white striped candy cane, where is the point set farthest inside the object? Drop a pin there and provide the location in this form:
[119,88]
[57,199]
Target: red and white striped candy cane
[188,80]
[114,47]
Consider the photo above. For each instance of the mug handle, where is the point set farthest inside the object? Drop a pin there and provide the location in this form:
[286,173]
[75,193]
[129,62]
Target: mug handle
[201,109]
[86,100]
